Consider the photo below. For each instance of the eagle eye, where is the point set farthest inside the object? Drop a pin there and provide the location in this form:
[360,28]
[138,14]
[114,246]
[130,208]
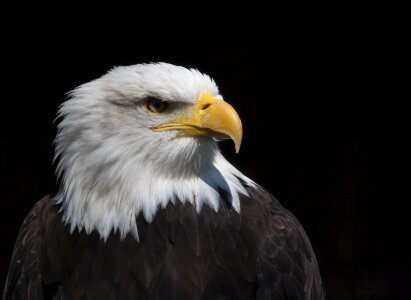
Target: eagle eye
[155,106]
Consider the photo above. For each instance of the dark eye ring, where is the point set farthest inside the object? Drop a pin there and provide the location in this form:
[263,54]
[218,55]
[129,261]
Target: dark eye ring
[155,106]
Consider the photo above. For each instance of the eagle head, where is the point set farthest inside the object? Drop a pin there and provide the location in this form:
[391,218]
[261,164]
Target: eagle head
[138,138]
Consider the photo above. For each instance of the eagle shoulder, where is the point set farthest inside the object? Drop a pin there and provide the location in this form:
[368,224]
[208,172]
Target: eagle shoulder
[286,263]
[24,279]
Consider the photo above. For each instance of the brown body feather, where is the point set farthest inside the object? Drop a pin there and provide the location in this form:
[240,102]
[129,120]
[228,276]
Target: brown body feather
[261,253]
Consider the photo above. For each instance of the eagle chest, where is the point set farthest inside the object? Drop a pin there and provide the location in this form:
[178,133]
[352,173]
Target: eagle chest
[181,253]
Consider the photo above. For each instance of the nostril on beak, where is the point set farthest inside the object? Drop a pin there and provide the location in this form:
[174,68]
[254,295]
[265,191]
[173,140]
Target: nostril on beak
[205,106]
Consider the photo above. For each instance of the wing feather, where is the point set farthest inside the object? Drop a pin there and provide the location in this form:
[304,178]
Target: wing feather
[287,265]
[24,280]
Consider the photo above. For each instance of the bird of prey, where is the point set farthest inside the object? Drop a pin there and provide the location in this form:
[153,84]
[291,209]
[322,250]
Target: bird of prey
[149,208]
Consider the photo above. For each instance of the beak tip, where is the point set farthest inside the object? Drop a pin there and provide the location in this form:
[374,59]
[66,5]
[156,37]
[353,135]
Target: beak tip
[237,148]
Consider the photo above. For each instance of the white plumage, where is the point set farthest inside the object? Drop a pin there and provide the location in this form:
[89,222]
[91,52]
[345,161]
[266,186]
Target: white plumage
[114,167]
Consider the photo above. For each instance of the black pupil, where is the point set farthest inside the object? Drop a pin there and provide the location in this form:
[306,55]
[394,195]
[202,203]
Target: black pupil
[157,104]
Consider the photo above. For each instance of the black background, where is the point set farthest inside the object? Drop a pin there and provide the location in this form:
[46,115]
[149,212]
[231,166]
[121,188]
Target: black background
[321,92]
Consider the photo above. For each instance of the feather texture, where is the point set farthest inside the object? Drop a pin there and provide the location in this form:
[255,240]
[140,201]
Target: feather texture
[148,215]
[261,253]
[114,167]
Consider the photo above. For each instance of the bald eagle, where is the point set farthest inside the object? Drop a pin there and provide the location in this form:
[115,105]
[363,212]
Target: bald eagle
[149,208]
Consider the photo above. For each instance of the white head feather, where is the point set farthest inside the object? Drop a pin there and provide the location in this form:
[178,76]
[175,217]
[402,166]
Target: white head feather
[114,167]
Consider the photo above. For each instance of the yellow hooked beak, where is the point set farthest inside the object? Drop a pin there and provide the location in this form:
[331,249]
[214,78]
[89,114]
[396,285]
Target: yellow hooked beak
[210,117]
